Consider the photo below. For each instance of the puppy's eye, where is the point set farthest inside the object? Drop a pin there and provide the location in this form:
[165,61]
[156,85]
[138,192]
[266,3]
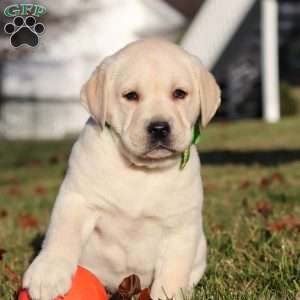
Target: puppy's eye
[132,96]
[179,94]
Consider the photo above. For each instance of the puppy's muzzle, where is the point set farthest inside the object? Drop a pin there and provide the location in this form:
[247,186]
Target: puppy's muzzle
[158,131]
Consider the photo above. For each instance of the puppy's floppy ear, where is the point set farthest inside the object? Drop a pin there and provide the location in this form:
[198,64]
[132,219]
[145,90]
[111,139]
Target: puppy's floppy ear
[94,93]
[210,97]
[210,93]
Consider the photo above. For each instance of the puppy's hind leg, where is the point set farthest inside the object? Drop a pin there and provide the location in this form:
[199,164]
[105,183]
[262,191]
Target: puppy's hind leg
[173,268]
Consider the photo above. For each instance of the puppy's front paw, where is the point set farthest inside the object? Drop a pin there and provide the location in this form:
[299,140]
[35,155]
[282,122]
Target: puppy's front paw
[47,278]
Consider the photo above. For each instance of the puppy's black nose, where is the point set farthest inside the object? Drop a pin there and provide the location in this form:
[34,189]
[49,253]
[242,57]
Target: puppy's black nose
[159,130]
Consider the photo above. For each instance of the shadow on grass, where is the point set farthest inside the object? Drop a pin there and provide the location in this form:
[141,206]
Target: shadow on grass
[262,157]
[36,244]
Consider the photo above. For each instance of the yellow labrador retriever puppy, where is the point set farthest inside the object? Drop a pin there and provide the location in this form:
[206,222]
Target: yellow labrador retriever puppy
[125,206]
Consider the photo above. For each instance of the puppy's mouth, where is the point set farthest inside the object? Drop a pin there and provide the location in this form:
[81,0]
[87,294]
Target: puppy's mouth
[159,151]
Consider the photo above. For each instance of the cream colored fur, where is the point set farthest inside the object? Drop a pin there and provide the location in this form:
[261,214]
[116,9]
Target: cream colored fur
[122,209]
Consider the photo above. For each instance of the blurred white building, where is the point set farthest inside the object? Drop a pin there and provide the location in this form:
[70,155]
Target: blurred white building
[40,88]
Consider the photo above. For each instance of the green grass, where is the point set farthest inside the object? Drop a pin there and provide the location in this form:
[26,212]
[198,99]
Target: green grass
[251,174]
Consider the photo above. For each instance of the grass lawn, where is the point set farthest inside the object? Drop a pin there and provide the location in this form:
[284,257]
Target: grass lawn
[251,174]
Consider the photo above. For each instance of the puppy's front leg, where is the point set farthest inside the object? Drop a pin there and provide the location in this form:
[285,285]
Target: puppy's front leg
[51,272]
[174,267]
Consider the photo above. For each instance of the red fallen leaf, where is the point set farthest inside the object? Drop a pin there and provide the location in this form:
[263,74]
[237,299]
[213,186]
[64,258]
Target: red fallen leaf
[3,213]
[225,123]
[14,190]
[40,190]
[265,182]
[264,208]
[278,226]
[289,222]
[145,294]
[13,180]
[217,227]
[245,184]
[12,275]
[2,252]
[28,221]
[209,187]
[277,177]
[53,160]
[34,163]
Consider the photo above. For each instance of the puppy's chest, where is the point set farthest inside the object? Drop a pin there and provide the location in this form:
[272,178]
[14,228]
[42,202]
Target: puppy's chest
[123,227]
[144,212]
[145,199]
[135,241]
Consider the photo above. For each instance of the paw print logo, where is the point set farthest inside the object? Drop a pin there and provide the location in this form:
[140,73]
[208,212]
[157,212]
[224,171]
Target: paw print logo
[24,31]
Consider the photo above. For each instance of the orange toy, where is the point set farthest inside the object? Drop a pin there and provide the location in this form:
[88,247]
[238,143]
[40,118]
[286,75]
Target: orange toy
[85,286]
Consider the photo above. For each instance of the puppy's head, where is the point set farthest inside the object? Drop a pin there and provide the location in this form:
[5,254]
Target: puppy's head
[151,93]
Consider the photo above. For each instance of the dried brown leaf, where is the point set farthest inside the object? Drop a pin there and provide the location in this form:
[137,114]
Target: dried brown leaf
[289,222]
[34,163]
[3,214]
[130,286]
[265,182]
[216,227]
[209,187]
[277,177]
[12,275]
[54,160]
[244,184]
[13,180]
[14,190]
[2,252]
